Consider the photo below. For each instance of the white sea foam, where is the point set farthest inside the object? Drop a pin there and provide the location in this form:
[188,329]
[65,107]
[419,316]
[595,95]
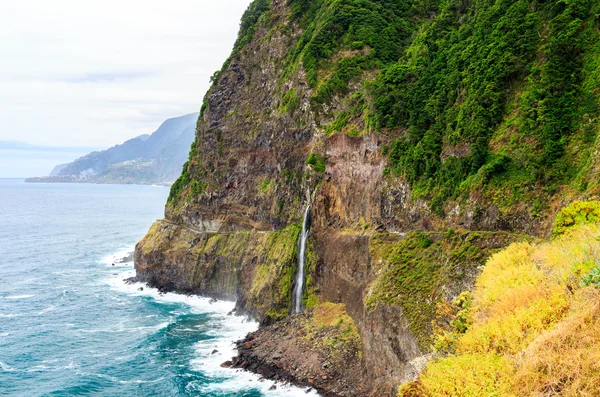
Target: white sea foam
[46,368]
[228,329]
[38,368]
[197,304]
[231,329]
[19,296]
[4,334]
[11,315]
[116,258]
[46,310]
[6,367]
[117,380]
[121,328]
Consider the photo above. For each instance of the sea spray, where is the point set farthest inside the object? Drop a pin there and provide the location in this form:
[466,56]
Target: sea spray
[299,281]
[216,346]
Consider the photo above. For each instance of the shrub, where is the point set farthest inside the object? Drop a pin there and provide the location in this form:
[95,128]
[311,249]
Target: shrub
[317,162]
[471,375]
[592,278]
[576,213]
[180,183]
[532,329]
[290,101]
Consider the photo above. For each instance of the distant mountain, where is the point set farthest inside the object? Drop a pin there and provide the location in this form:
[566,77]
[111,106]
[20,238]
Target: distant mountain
[146,159]
[56,170]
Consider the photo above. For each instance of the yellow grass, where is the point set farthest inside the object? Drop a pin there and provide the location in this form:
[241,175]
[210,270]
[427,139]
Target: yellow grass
[535,331]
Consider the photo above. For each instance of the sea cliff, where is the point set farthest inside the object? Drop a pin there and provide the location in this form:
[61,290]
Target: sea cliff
[409,195]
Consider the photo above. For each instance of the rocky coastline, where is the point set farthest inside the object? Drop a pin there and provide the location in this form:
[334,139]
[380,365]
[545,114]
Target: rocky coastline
[304,351]
[386,256]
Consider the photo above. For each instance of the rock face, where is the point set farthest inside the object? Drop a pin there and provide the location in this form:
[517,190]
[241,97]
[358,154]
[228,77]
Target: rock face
[319,348]
[266,147]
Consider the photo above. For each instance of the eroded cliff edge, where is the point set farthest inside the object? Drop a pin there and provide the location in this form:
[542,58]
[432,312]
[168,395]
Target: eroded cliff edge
[277,133]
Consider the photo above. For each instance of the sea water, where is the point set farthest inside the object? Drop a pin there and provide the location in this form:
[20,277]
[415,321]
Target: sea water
[71,326]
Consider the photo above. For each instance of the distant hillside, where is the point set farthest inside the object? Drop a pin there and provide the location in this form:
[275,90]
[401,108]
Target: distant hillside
[146,159]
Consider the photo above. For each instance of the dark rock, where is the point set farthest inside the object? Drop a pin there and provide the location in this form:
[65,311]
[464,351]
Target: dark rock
[244,140]
[215,351]
[227,364]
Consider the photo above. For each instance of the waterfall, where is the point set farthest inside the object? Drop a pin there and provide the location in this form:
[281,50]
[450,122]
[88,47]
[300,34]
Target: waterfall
[299,282]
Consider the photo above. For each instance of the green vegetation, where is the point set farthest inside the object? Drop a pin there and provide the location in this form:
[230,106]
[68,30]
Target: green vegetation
[330,323]
[418,268]
[248,26]
[249,22]
[576,213]
[290,102]
[317,162]
[266,186]
[367,34]
[535,332]
[464,71]
[473,95]
[196,188]
[311,293]
[275,254]
[592,278]
[180,183]
[512,84]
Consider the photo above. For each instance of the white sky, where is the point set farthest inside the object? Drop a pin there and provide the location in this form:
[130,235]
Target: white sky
[93,73]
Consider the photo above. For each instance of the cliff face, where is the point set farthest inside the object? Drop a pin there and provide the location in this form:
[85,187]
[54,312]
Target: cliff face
[317,106]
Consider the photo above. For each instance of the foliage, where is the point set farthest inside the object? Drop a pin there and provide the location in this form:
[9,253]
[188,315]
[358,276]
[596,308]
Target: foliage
[452,320]
[371,32]
[418,269]
[311,295]
[317,162]
[533,332]
[469,375]
[180,183]
[275,255]
[266,186]
[340,121]
[197,187]
[576,213]
[290,101]
[249,22]
[464,70]
[563,361]
[248,26]
[333,317]
[592,278]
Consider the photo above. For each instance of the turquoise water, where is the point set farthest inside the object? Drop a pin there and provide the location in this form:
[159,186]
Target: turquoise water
[70,326]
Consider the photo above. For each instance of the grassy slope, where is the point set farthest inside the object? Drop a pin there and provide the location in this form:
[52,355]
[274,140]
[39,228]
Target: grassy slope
[530,327]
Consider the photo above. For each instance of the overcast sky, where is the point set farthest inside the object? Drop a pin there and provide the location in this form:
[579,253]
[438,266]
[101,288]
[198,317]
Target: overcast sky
[96,73]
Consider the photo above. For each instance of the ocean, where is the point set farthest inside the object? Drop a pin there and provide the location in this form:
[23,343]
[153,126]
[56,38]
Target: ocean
[71,326]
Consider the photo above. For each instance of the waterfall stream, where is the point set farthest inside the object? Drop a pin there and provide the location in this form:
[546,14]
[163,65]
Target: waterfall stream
[299,281]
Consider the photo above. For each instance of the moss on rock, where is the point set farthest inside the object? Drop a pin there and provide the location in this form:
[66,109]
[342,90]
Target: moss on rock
[256,268]
[423,269]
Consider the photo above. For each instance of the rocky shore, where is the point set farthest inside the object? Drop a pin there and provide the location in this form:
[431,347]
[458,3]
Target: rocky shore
[319,349]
